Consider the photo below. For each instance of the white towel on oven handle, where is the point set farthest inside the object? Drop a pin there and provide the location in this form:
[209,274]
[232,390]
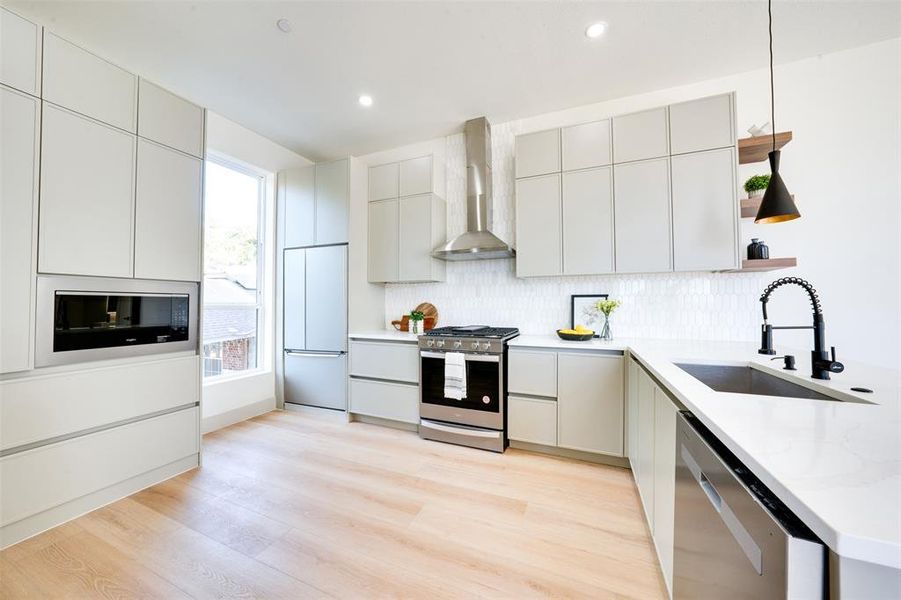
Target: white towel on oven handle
[454,375]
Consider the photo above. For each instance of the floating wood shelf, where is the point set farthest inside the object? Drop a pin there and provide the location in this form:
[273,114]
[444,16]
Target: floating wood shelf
[756,149]
[750,206]
[766,264]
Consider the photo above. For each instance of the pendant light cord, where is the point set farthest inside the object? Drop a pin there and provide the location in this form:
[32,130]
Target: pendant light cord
[769,9]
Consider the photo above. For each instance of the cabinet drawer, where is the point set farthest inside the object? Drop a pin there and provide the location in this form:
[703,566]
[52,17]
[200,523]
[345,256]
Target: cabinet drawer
[396,362]
[394,401]
[532,420]
[533,373]
[79,466]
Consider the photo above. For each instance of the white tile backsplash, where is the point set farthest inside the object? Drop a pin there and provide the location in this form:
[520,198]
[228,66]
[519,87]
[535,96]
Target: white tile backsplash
[720,306]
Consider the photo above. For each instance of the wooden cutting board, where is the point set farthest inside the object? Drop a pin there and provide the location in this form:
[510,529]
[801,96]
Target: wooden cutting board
[428,309]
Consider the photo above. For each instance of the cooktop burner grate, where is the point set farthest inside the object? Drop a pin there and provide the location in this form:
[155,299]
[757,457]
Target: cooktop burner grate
[477,331]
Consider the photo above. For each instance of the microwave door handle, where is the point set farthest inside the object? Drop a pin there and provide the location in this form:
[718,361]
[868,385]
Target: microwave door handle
[744,540]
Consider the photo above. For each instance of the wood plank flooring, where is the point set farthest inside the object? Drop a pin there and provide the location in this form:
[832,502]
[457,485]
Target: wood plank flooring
[305,505]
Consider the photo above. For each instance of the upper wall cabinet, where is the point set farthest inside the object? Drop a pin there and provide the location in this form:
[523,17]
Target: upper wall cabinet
[87,84]
[167,214]
[87,193]
[538,226]
[384,181]
[384,242]
[315,201]
[537,153]
[422,226]
[641,135]
[702,124]
[642,214]
[588,221]
[20,53]
[415,176]
[19,127]
[165,118]
[586,145]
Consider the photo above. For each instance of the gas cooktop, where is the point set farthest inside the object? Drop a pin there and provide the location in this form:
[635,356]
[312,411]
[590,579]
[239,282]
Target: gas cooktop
[474,331]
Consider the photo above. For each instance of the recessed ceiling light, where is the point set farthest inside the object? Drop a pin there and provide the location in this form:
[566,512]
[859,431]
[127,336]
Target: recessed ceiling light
[596,30]
[365,100]
[284,25]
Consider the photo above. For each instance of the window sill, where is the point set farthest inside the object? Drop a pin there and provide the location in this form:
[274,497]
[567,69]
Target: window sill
[210,381]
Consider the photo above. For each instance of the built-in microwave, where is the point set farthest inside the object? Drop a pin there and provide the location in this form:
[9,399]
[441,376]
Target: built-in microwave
[83,319]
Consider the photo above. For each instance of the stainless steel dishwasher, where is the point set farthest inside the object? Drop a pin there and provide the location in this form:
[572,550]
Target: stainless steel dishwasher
[733,537]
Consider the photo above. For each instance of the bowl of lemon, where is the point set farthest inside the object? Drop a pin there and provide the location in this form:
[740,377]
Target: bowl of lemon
[579,334]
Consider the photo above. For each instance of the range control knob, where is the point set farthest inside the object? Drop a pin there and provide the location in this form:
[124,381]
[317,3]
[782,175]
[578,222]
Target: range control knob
[485,346]
[441,343]
[475,345]
[458,344]
[430,343]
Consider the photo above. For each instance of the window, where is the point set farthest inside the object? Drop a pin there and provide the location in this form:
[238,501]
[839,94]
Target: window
[232,270]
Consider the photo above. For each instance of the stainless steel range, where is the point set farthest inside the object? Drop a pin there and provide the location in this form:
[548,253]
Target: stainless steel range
[479,418]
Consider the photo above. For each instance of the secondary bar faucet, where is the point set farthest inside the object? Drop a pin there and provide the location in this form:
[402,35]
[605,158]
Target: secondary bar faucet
[821,362]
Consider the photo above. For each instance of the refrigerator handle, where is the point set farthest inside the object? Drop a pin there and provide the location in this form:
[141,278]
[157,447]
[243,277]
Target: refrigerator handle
[316,354]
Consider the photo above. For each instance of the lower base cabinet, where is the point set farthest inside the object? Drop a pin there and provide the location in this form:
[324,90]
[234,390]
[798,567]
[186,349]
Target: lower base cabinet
[532,420]
[385,400]
[384,379]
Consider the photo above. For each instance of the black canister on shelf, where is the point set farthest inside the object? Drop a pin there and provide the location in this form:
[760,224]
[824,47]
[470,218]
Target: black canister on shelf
[754,249]
[763,251]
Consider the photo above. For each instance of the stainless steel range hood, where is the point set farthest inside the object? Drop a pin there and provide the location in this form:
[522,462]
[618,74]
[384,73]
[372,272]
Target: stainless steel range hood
[478,243]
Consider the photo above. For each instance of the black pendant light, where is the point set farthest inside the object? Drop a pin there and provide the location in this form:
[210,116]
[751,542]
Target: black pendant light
[777,204]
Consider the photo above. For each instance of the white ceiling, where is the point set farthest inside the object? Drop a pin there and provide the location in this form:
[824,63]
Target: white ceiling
[432,65]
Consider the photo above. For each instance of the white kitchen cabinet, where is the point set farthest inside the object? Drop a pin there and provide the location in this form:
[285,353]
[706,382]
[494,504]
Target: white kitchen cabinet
[415,176]
[172,121]
[705,222]
[586,145]
[590,402]
[702,124]
[298,193]
[665,416]
[332,185]
[383,181]
[537,153]
[20,53]
[383,241]
[646,420]
[588,222]
[87,196]
[390,361]
[87,84]
[532,420]
[642,216]
[532,372]
[422,224]
[19,129]
[632,413]
[385,400]
[168,214]
[538,226]
[641,135]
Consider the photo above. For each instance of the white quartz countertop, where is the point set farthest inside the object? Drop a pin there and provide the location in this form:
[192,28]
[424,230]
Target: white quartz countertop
[384,335]
[837,465]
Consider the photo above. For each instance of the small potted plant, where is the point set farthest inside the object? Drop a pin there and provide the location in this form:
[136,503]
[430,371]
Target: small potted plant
[755,186]
[416,321]
[606,308]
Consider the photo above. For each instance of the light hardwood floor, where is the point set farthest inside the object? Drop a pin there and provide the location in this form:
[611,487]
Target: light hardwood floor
[295,505]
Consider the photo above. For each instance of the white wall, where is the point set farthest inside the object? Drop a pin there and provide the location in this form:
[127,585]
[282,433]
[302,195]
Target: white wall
[842,166]
[233,399]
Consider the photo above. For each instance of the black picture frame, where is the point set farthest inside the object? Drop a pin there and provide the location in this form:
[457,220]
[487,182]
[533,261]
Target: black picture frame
[582,300]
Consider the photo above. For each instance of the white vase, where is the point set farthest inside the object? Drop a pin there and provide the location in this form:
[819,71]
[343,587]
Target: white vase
[416,327]
[756,194]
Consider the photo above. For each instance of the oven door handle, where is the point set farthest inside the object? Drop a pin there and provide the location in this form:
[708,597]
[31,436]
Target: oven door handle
[469,357]
[482,433]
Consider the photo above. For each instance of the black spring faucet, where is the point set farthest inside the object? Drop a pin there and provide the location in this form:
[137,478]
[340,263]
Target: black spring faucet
[821,362]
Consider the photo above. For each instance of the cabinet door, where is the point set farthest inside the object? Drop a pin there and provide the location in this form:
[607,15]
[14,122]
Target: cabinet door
[537,153]
[316,380]
[416,176]
[586,145]
[168,206]
[415,245]
[332,200]
[383,181]
[533,372]
[665,414]
[645,477]
[326,300]
[80,81]
[632,414]
[19,126]
[702,124]
[642,216]
[383,241]
[165,118]
[299,201]
[294,283]
[538,226]
[87,196]
[704,210]
[641,135]
[385,400]
[588,222]
[590,402]
[532,420]
[20,53]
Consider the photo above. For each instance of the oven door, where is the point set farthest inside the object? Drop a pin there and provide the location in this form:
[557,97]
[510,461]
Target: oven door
[483,405]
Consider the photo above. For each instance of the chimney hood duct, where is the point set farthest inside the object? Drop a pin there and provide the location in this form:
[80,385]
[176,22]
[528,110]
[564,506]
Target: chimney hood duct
[478,243]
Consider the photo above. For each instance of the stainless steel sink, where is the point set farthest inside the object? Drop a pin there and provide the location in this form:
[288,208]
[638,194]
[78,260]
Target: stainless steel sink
[747,380]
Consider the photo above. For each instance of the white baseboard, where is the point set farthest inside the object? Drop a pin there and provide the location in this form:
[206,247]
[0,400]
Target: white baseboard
[50,518]
[237,415]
